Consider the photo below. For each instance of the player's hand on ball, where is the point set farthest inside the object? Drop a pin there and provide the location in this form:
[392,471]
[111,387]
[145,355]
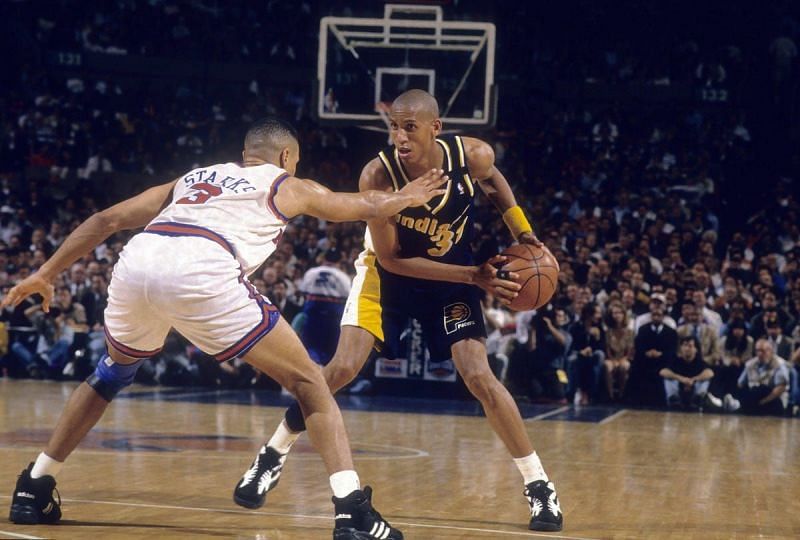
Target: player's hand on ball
[529,238]
[498,282]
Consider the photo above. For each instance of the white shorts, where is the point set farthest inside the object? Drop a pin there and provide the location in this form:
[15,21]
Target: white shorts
[186,278]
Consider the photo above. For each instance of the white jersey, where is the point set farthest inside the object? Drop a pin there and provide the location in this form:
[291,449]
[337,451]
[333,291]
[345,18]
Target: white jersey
[234,202]
[327,282]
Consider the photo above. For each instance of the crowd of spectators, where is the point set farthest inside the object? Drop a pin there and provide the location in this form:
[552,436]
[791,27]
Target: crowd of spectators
[669,294]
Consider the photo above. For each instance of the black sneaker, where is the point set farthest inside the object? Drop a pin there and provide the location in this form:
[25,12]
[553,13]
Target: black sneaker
[261,477]
[356,519]
[33,502]
[545,510]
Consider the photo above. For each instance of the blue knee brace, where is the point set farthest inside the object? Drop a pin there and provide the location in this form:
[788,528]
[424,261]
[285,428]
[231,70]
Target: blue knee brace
[109,377]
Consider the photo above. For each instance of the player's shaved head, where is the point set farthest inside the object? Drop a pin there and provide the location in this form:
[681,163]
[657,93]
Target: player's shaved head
[268,137]
[417,101]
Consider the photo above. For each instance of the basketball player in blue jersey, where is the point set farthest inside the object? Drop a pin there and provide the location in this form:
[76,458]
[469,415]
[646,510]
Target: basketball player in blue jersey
[204,233]
[402,273]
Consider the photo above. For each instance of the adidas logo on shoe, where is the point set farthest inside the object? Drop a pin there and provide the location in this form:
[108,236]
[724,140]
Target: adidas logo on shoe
[36,500]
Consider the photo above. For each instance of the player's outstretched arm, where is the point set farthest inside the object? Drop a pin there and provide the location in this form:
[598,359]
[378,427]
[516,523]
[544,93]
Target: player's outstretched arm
[135,212]
[480,160]
[296,196]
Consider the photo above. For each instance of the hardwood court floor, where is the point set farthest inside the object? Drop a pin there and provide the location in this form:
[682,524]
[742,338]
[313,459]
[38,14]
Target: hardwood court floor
[156,468]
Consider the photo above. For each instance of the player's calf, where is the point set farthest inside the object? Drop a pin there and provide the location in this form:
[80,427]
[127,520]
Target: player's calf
[33,502]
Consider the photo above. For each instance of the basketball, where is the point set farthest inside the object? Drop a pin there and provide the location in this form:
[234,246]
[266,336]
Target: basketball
[537,269]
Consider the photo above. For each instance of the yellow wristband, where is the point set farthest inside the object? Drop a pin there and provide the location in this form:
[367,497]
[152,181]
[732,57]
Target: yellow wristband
[516,221]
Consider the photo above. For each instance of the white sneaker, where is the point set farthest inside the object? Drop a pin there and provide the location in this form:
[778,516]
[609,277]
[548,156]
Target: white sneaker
[69,369]
[730,403]
[714,400]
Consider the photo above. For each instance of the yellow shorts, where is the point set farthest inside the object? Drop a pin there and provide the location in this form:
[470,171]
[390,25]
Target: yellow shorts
[363,307]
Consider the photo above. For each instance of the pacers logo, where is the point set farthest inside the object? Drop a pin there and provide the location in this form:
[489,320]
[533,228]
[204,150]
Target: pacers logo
[455,317]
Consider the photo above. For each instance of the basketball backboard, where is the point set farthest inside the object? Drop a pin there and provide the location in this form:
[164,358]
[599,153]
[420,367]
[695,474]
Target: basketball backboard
[363,62]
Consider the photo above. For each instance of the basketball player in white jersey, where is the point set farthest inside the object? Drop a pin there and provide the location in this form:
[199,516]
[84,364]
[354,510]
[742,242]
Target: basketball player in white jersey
[205,232]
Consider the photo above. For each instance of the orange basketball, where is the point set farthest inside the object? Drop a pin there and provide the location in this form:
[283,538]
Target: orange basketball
[537,269]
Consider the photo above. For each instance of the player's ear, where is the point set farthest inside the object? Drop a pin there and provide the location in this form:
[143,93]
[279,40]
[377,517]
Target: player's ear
[283,159]
[437,126]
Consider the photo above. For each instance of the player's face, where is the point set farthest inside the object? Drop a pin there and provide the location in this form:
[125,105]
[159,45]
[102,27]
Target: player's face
[413,133]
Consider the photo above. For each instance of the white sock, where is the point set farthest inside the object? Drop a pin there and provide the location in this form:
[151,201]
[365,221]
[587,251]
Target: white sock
[531,468]
[46,466]
[283,439]
[343,483]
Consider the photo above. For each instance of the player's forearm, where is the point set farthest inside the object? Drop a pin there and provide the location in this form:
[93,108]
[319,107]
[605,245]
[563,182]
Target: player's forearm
[499,192]
[80,242]
[418,267]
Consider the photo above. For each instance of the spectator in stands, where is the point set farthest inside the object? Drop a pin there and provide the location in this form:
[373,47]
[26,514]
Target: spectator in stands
[654,347]
[706,336]
[657,303]
[587,353]
[706,314]
[736,349]
[687,378]
[326,288]
[770,311]
[763,384]
[60,328]
[619,351]
[782,345]
[94,300]
[500,329]
[79,281]
[794,378]
[20,359]
[538,367]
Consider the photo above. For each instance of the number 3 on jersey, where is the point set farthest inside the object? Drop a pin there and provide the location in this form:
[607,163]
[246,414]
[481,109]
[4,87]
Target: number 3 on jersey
[202,193]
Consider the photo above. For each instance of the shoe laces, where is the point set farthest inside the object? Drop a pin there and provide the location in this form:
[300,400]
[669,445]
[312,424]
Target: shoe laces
[57,495]
[541,491]
[261,463]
